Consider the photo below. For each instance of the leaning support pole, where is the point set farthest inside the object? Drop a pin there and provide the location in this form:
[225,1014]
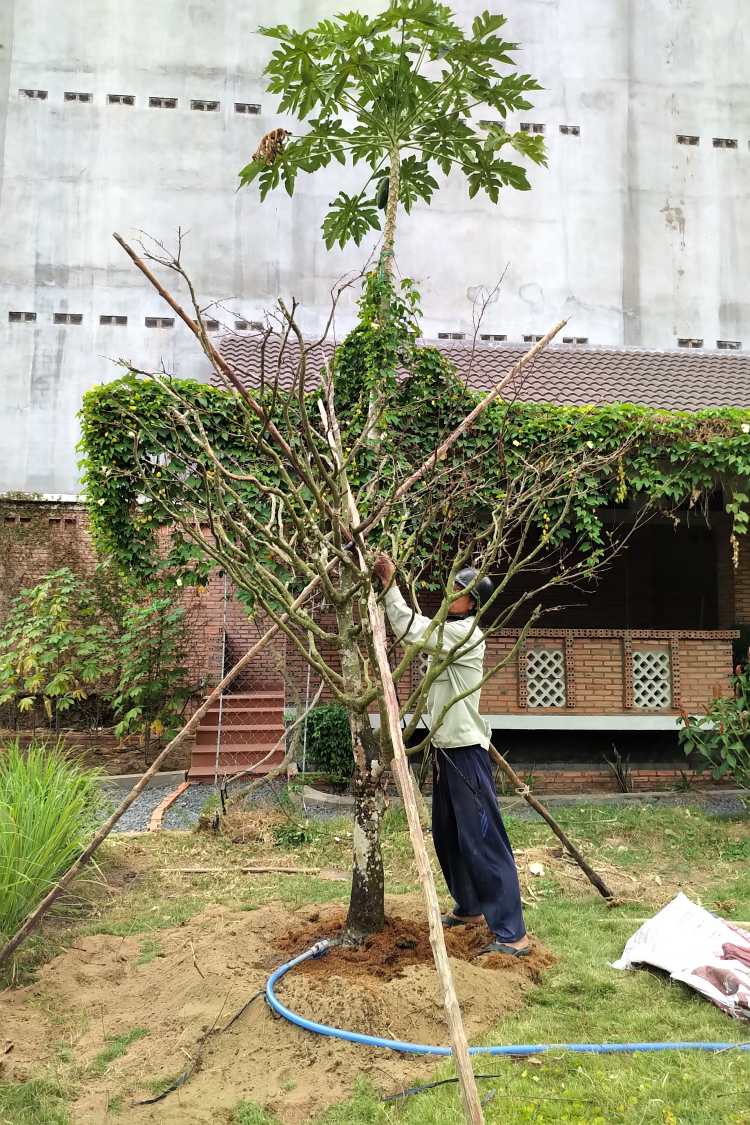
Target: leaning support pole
[524,791]
[33,919]
[459,1043]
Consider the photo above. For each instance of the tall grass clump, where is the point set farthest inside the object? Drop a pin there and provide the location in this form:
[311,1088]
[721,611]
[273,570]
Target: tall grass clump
[48,809]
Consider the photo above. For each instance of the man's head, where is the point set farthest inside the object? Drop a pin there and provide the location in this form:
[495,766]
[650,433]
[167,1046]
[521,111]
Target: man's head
[479,595]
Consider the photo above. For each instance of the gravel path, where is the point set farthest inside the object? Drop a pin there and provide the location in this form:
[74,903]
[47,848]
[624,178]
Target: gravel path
[183,814]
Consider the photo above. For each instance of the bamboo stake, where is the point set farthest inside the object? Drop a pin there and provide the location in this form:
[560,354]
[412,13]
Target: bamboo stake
[459,1044]
[523,791]
[35,917]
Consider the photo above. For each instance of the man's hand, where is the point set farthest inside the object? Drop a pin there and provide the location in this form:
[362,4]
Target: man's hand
[384,569]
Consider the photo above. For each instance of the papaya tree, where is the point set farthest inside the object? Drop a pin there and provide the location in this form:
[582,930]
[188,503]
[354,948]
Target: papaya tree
[407,93]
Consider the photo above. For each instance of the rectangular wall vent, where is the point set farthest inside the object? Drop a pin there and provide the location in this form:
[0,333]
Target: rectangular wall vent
[206,107]
[688,343]
[532,127]
[684,139]
[121,99]
[162,103]
[487,121]
[160,322]
[67,318]
[212,325]
[37,95]
[729,345]
[578,341]
[652,679]
[451,335]
[725,142]
[18,317]
[571,130]
[113,320]
[545,677]
[246,107]
[493,337]
[532,339]
[72,96]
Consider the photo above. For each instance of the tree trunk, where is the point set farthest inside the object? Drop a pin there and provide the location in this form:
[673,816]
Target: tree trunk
[389,233]
[366,906]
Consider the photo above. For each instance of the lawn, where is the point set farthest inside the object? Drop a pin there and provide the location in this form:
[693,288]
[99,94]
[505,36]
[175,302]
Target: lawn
[656,851]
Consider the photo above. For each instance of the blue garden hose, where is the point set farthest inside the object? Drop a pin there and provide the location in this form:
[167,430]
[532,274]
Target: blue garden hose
[321,947]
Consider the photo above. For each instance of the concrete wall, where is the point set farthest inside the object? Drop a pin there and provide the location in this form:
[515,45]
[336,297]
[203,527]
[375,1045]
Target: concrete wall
[636,238]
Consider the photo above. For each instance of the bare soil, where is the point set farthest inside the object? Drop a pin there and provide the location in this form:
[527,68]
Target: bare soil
[202,973]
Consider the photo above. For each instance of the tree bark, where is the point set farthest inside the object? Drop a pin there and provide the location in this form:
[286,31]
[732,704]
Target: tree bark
[366,914]
[389,233]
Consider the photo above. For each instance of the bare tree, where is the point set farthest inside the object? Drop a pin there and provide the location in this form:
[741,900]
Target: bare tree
[286,479]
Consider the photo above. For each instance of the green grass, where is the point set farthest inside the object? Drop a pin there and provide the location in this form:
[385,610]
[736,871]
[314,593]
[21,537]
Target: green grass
[151,947]
[581,998]
[40,1101]
[252,1113]
[116,1047]
[48,807]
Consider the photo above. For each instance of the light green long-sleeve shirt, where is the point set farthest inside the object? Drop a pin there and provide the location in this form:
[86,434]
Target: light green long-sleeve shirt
[462,725]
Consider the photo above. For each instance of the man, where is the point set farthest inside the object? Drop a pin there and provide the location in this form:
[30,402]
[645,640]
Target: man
[471,843]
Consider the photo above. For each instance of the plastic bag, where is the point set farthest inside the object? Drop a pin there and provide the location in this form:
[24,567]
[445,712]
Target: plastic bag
[695,947]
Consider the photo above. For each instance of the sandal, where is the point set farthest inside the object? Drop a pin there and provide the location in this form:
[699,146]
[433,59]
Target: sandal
[450,921]
[501,947]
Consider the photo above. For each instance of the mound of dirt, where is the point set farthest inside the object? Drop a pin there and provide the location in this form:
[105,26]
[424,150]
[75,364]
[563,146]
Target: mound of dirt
[180,982]
[402,943]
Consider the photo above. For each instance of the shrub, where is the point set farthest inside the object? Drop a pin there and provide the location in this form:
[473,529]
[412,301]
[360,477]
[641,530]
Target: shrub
[329,741]
[722,735]
[48,808]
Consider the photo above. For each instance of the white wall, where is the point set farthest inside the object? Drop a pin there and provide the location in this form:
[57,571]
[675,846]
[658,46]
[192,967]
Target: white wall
[639,240]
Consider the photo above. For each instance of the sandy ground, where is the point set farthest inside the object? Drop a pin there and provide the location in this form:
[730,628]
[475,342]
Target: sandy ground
[209,968]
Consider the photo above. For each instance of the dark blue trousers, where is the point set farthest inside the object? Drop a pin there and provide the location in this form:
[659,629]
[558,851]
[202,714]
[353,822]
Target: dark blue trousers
[471,843]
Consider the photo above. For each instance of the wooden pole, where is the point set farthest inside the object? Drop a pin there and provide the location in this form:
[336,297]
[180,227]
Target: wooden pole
[34,918]
[459,1044]
[523,791]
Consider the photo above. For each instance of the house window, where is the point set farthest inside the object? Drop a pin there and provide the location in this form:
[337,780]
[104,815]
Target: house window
[162,103]
[18,317]
[545,677]
[689,343]
[571,130]
[113,320]
[70,96]
[206,107]
[36,95]
[531,127]
[67,318]
[246,107]
[683,139]
[652,679]
[451,335]
[576,340]
[729,345]
[493,337]
[725,142]
[121,99]
[211,325]
[487,121]
[532,339]
[160,322]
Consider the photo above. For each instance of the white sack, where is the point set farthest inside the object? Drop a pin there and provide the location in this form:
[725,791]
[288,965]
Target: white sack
[696,947]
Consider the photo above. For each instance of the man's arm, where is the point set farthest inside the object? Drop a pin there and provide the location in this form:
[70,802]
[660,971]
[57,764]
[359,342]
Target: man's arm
[408,626]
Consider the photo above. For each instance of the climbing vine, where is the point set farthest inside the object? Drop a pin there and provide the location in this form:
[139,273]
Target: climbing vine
[143,461]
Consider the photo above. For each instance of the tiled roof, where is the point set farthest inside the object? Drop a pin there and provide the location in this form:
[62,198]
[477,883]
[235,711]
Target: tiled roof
[674,380]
